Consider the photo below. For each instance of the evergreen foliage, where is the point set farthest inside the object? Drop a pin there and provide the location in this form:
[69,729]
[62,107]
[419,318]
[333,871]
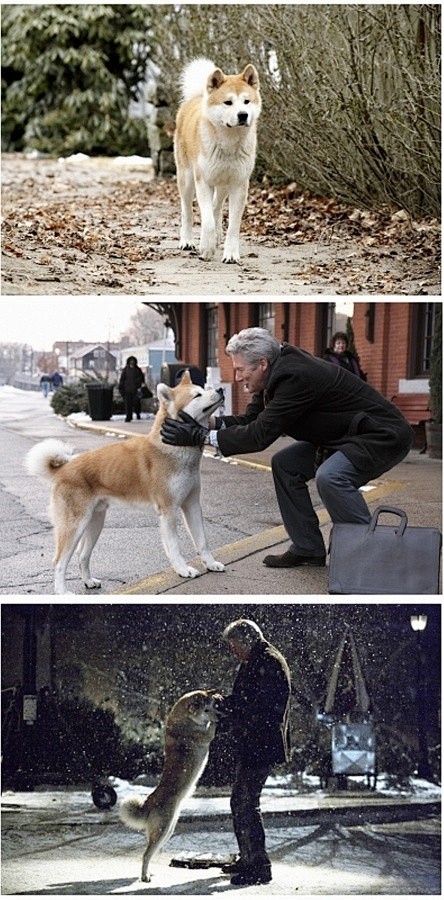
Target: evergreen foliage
[68,74]
[71,398]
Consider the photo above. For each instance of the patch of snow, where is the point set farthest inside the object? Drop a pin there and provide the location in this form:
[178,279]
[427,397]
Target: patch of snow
[74,158]
[133,161]
[80,417]
[8,389]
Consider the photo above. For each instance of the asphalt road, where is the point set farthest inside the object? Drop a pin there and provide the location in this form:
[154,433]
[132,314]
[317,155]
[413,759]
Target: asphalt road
[129,548]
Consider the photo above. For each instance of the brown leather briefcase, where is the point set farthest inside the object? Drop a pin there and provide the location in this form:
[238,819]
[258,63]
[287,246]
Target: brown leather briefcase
[384,559]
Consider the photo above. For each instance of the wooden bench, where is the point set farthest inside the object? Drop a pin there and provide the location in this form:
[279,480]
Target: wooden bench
[416,409]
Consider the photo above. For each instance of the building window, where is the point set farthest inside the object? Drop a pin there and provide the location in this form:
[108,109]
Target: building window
[333,317]
[326,326]
[423,326]
[212,333]
[265,316]
[330,323]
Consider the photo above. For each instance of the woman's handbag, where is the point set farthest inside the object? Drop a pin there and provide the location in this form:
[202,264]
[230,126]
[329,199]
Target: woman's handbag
[144,392]
[384,559]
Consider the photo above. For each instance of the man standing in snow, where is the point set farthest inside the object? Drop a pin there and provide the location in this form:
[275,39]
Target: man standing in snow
[257,714]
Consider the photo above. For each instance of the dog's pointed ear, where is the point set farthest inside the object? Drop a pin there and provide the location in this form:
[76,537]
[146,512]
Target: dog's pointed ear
[186,377]
[164,394]
[215,80]
[251,77]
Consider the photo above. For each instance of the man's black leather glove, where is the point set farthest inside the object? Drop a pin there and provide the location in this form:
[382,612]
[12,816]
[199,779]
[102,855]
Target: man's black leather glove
[184,433]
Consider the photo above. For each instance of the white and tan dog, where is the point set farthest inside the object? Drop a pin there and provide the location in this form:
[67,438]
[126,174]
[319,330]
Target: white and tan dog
[215,151]
[190,728]
[139,470]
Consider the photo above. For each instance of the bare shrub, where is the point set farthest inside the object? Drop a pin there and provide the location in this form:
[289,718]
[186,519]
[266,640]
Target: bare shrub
[351,92]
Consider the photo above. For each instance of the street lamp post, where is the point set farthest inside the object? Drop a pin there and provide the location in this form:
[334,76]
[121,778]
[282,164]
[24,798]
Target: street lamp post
[419,623]
[25,774]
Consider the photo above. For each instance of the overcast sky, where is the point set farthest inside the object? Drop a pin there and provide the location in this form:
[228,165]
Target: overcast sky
[42,321]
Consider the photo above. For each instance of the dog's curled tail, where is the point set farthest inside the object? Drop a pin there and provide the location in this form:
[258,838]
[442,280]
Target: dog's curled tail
[46,457]
[132,813]
[195,76]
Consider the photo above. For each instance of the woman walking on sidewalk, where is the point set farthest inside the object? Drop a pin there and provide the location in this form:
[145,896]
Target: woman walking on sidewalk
[131,380]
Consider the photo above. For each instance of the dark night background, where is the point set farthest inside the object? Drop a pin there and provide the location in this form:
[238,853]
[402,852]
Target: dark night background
[106,675]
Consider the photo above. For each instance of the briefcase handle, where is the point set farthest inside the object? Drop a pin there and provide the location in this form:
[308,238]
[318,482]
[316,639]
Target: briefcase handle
[399,529]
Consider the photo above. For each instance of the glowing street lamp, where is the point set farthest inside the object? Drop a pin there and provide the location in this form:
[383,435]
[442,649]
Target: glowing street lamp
[418,623]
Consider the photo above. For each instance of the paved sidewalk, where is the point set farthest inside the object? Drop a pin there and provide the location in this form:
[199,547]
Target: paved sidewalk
[415,486]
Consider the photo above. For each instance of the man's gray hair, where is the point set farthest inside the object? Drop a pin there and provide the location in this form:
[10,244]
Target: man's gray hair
[243,630]
[254,344]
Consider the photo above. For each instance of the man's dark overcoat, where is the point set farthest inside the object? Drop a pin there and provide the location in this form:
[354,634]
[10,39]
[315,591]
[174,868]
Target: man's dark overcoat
[311,400]
[259,708]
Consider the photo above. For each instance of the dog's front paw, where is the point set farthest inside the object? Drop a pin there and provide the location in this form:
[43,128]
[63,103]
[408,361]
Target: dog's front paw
[91,583]
[187,572]
[214,566]
[231,251]
[187,245]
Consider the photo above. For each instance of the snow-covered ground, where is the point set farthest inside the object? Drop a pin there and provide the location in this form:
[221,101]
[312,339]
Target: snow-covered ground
[57,842]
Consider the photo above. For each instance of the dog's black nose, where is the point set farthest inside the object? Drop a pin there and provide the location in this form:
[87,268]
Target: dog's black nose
[242,118]
[221,392]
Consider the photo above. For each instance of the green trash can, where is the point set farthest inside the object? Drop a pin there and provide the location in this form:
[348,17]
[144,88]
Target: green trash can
[100,401]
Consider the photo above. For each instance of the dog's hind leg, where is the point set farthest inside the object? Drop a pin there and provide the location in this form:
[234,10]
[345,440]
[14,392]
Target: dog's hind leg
[192,513]
[70,519]
[88,541]
[159,829]
[186,191]
[67,537]
[168,531]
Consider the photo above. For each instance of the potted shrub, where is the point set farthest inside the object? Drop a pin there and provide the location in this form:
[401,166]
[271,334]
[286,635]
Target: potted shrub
[434,427]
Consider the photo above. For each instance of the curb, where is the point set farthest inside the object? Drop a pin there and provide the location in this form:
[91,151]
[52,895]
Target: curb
[361,814]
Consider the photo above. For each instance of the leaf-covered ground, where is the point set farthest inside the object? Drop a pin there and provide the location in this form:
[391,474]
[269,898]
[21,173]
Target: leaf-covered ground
[100,227]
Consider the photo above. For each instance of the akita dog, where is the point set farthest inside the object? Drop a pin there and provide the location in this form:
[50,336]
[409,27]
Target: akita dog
[215,151]
[139,470]
[190,728]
